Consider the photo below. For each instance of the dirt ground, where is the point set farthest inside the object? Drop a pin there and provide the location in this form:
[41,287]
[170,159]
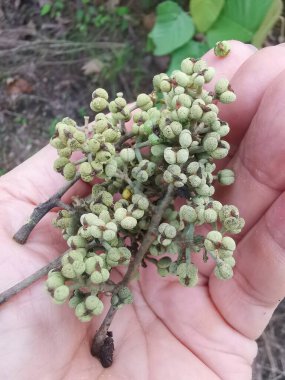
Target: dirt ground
[48,69]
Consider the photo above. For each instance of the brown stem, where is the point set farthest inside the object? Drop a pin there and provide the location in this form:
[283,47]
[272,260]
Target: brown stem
[101,334]
[40,211]
[9,293]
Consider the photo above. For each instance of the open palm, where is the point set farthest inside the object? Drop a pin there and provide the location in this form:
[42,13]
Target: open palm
[170,332]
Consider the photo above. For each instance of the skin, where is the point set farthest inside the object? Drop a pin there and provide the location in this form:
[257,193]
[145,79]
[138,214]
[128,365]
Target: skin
[206,332]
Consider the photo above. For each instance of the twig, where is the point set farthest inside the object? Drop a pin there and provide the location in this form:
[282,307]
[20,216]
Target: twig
[100,335]
[40,211]
[102,332]
[7,294]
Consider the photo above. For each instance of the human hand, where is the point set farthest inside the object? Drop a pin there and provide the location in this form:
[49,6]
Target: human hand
[206,332]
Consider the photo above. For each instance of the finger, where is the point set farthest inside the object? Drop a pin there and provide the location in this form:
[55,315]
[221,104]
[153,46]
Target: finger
[227,66]
[259,159]
[35,179]
[248,300]
[249,84]
[257,163]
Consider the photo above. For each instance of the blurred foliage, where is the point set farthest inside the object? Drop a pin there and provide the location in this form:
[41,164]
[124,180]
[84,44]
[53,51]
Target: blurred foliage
[177,33]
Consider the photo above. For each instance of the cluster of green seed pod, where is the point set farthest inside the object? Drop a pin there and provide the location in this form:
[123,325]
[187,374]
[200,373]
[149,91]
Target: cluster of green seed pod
[175,136]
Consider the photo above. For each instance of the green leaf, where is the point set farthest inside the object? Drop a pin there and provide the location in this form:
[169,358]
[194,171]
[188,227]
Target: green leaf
[45,9]
[205,12]
[270,19]
[239,19]
[172,29]
[191,49]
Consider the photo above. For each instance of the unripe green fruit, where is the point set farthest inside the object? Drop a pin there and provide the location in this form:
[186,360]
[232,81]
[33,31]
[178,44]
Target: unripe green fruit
[222,48]
[200,65]
[228,243]
[144,102]
[209,74]
[80,309]
[226,177]
[101,93]
[120,214]
[209,117]
[182,156]
[188,214]
[227,97]
[213,239]
[129,223]
[127,154]
[69,171]
[61,293]
[98,104]
[195,112]
[210,144]
[164,262]
[187,66]
[75,242]
[222,86]
[91,302]
[185,138]
[210,215]
[55,280]
[169,156]
[65,152]
[181,78]
[199,81]
[68,271]
[60,163]
[165,85]
[154,139]
[223,271]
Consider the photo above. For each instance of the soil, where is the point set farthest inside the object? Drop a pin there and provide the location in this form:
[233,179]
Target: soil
[45,77]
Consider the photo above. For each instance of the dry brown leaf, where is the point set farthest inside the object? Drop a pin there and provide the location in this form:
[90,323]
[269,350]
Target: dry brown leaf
[94,66]
[18,86]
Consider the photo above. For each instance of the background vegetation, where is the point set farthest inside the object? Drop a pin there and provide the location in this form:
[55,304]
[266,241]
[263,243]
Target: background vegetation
[53,54]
